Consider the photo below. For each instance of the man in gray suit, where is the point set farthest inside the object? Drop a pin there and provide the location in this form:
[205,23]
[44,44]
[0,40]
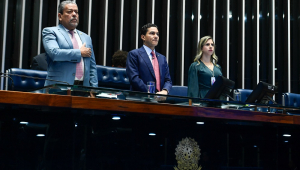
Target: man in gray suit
[70,59]
[70,54]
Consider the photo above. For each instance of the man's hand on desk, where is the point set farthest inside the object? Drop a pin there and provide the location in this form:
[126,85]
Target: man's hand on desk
[162,98]
[92,95]
[85,52]
[165,92]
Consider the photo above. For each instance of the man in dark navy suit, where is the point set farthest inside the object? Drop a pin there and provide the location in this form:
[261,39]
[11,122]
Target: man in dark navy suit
[145,64]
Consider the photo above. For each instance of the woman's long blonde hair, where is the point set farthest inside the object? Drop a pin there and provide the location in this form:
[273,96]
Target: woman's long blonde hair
[202,42]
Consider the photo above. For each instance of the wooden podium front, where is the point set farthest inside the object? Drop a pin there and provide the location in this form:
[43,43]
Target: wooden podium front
[80,133]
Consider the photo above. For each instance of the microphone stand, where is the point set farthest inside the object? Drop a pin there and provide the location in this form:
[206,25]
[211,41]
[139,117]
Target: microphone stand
[10,74]
[12,81]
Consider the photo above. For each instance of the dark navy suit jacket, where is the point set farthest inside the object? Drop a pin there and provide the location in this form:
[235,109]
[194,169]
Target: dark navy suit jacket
[140,70]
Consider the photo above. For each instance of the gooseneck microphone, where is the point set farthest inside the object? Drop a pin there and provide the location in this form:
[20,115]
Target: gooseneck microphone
[18,75]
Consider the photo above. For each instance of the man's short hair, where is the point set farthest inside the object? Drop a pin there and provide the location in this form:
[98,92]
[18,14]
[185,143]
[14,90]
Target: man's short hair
[119,58]
[145,28]
[63,4]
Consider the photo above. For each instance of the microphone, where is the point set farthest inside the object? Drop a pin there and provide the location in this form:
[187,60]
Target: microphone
[12,81]
[10,74]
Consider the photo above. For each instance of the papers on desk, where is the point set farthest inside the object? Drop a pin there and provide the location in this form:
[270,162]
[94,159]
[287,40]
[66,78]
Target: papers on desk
[117,95]
[108,95]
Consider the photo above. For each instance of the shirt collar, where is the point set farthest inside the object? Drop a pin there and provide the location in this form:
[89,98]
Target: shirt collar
[148,50]
[75,31]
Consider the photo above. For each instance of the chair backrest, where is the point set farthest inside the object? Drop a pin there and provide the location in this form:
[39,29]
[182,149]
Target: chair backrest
[291,99]
[25,83]
[244,94]
[112,77]
[179,91]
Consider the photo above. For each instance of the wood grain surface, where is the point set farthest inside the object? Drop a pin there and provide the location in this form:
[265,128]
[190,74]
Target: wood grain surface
[25,98]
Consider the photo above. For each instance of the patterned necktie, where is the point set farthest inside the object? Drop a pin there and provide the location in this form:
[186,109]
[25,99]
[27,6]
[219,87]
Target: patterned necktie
[156,70]
[79,69]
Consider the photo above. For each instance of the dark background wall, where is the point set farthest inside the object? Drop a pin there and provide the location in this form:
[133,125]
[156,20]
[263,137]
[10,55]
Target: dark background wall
[256,40]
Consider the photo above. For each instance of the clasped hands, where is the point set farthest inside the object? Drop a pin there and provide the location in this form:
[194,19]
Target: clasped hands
[85,52]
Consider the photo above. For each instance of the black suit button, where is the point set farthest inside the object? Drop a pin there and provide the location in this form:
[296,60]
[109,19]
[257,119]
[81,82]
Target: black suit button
[73,74]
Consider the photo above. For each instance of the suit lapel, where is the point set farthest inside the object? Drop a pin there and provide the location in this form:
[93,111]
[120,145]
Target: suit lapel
[145,57]
[65,34]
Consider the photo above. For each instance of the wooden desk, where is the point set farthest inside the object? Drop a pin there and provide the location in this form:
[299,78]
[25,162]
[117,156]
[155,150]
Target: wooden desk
[50,100]
[97,140]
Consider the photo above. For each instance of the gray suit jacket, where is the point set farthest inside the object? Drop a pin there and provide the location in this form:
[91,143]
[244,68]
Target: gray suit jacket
[62,58]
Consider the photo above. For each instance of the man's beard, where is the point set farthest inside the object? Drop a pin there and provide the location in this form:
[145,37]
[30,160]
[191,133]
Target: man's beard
[74,24]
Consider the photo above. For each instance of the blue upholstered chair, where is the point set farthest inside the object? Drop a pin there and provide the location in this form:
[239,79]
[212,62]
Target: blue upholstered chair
[177,91]
[25,83]
[244,93]
[291,99]
[112,77]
